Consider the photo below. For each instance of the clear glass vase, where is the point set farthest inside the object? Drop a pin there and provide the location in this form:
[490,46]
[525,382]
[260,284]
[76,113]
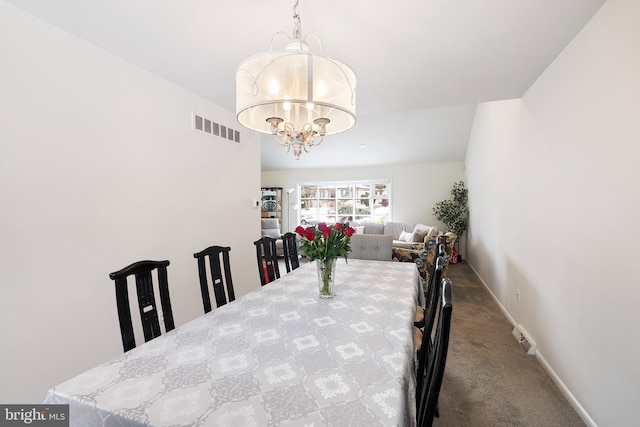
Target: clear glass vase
[326,276]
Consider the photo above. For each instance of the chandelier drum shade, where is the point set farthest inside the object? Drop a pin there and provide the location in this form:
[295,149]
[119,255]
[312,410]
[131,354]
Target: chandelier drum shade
[295,94]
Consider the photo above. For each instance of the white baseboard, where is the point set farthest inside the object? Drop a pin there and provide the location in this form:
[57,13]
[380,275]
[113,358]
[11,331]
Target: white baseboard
[547,367]
[565,391]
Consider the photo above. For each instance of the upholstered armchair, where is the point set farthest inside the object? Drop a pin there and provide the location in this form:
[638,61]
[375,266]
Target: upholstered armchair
[424,258]
[449,240]
[271,227]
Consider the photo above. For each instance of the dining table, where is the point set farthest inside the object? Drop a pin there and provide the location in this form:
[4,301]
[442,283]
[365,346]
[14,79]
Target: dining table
[276,356]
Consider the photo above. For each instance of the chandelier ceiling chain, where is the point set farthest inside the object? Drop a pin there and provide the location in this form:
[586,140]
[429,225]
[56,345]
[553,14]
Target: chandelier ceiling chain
[297,25]
[295,94]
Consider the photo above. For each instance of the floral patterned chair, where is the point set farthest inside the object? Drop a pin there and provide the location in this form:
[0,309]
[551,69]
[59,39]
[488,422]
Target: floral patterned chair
[424,257]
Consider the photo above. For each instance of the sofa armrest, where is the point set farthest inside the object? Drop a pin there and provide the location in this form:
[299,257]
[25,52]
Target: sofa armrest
[407,245]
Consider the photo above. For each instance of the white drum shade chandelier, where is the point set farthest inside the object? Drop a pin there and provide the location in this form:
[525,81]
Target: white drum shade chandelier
[297,95]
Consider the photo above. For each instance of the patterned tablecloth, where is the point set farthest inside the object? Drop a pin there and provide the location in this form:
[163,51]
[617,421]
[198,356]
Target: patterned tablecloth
[276,356]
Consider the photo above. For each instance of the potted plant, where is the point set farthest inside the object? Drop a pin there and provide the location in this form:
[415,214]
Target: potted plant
[454,212]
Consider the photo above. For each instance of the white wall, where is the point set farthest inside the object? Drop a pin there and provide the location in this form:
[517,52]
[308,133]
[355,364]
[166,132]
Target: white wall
[554,212]
[98,169]
[415,187]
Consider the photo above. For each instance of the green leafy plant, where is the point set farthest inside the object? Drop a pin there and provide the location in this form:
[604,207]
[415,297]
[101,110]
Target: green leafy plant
[454,213]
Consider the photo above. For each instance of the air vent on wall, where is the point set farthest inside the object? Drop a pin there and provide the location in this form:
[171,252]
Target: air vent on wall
[526,344]
[208,126]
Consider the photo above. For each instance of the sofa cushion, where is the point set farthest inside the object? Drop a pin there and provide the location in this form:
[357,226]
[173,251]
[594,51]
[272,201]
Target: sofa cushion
[376,247]
[266,223]
[396,228]
[422,227]
[271,232]
[407,245]
[431,231]
[406,237]
[373,228]
[419,235]
[359,229]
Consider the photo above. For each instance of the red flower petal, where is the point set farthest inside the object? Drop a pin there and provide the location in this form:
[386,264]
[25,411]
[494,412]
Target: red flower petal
[309,234]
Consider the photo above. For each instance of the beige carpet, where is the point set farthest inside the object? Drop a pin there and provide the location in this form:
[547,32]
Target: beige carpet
[489,379]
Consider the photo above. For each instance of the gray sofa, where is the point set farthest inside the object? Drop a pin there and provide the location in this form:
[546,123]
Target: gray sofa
[371,246]
[407,236]
[377,241]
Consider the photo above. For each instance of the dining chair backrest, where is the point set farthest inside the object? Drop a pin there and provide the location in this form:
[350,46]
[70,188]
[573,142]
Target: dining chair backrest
[142,270]
[428,403]
[220,271]
[267,259]
[426,262]
[433,248]
[445,242]
[430,310]
[433,294]
[290,246]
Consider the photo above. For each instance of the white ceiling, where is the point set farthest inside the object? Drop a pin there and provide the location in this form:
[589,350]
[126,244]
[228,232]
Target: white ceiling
[422,65]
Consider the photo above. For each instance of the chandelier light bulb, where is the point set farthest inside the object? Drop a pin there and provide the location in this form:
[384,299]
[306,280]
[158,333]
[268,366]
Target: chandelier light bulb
[273,86]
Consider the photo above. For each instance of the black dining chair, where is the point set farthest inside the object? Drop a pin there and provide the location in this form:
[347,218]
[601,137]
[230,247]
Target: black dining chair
[142,270]
[220,271]
[427,405]
[419,319]
[423,343]
[267,260]
[290,246]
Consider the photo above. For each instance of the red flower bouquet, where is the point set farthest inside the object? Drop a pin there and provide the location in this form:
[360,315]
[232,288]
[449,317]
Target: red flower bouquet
[323,242]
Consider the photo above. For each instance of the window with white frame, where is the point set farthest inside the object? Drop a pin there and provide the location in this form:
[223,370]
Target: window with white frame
[344,201]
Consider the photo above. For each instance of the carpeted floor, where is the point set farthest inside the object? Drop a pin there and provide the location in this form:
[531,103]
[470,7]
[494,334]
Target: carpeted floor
[489,379]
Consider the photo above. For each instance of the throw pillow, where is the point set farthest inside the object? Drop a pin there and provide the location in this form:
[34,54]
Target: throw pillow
[419,235]
[421,227]
[406,237]
[359,229]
